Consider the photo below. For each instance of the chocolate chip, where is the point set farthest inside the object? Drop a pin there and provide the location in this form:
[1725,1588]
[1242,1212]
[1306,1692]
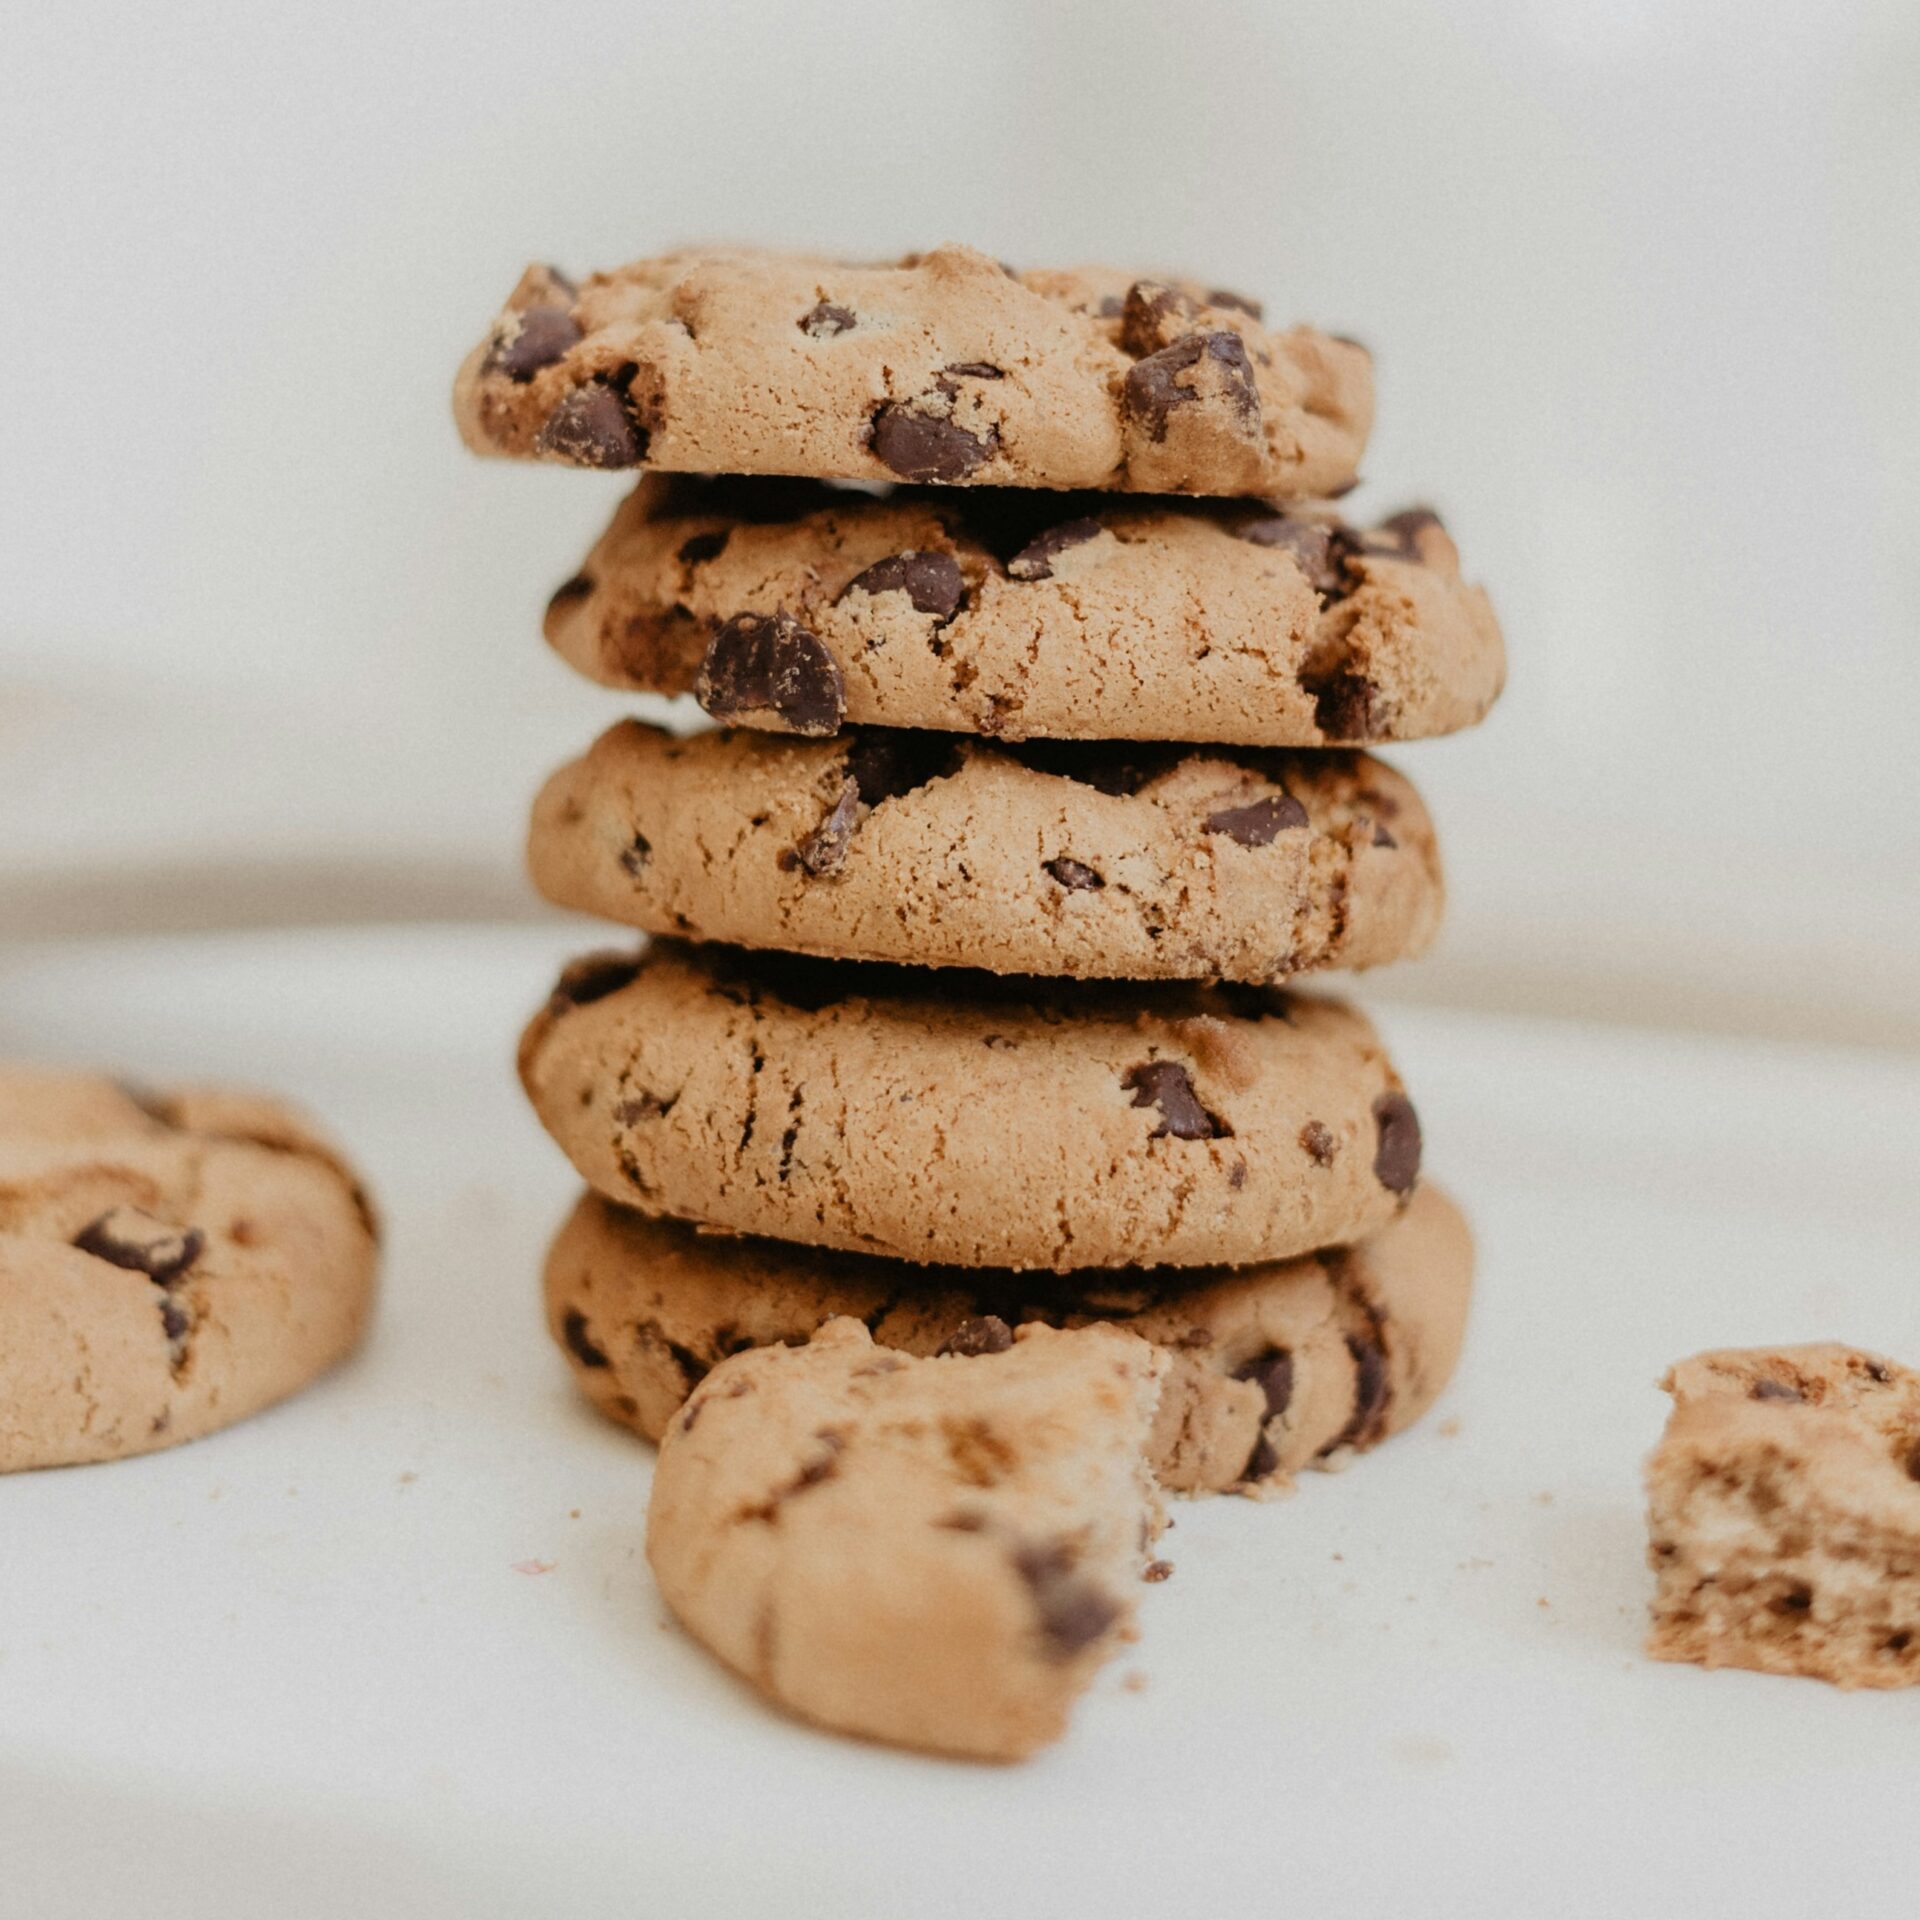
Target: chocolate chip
[1035,560]
[1319,1144]
[1913,1463]
[1880,1371]
[1167,1085]
[1073,875]
[825,321]
[1382,838]
[1262,1461]
[976,370]
[1396,1161]
[885,762]
[127,1237]
[541,336]
[770,663]
[978,1334]
[1272,1373]
[824,1464]
[824,850]
[1344,705]
[592,977]
[1399,535]
[1775,1390]
[704,546]
[593,427]
[1261,823]
[931,581]
[1225,297]
[569,592]
[1153,387]
[580,1343]
[640,1107]
[1319,547]
[920,445]
[562,283]
[635,855]
[1112,767]
[1798,1598]
[1370,1394]
[1073,1611]
[175,1321]
[1154,317]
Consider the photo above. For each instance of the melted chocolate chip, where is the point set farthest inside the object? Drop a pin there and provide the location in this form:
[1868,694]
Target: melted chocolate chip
[1167,1085]
[704,546]
[593,427]
[1344,705]
[1035,560]
[1399,535]
[593,977]
[1154,317]
[1073,1611]
[127,1237]
[1396,1161]
[1272,1373]
[1318,1143]
[825,321]
[635,855]
[1262,1461]
[770,663]
[1370,1394]
[1153,387]
[1320,547]
[1074,875]
[1775,1390]
[542,336]
[580,1343]
[979,1334]
[931,581]
[1261,823]
[570,592]
[918,445]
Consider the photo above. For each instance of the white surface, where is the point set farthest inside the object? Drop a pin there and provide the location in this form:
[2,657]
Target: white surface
[294,1670]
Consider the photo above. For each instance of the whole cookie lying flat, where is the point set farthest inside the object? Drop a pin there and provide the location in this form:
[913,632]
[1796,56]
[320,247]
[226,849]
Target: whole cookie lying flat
[792,606]
[968,1119]
[169,1264]
[937,1553]
[1784,1509]
[1052,858]
[946,367]
[1270,1369]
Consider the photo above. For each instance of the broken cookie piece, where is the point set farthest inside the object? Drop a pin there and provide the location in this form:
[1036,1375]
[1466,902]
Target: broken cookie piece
[935,1552]
[1784,1507]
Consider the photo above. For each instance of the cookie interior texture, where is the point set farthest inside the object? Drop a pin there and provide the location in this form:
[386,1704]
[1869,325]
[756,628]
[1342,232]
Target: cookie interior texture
[934,1552]
[1784,1513]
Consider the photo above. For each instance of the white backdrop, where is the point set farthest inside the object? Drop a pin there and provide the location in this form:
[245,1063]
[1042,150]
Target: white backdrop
[1642,279]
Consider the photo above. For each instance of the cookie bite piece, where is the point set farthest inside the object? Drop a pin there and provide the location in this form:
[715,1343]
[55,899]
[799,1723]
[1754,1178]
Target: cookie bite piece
[1784,1509]
[170,1262]
[938,1553]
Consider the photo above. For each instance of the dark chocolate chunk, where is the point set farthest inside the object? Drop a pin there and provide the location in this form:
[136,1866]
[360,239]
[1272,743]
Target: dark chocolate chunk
[824,850]
[127,1237]
[1074,875]
[1775,1390]
[635,855]
[1272,1372]
[1074,1613]
[931,581]
[593,427]
[885,762]
[1154,317]
[1035,560]
[1260,823]
[1343,705]
[569,592]
[770,663]
[825,321]
[175,1322]
[976,370]
[1167,1085]
[1370,1394]
[1396,1161]
[1318,1143]
[1322,548]
[1913,1463]
[704,546]
[1398,536]
[1154,389]
[540,337]
[580,1343]
[1382,838]
[592,977]
[919,445]
[981,1333]
[1262,1461]
[1226,297]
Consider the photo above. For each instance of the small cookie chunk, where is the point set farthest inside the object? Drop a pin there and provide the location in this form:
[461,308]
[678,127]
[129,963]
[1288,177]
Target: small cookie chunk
[1032,615]
[1270,1368]
[945,368]
[1103,861]
[1784,1510]
[169,1264]
[937,1553]
[963,1118]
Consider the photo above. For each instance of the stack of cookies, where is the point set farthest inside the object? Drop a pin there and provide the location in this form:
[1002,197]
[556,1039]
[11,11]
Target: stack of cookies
[966,1030]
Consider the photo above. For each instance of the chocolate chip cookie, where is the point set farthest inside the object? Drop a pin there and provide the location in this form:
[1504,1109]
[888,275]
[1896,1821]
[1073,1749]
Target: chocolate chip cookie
[169,1264]
[1271,1368]
[970,1119]
[1784,1509]
[939,1553]
[946,367]
[794,606]
[1071,858]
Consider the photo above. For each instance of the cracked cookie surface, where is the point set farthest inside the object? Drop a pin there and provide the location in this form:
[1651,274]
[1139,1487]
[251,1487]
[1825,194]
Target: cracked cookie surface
[1102,861]
[1270,1368]
[1032,615]
[1784,1514]
[939,1553]
[970,1118]
[169,1264]
[944,368]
